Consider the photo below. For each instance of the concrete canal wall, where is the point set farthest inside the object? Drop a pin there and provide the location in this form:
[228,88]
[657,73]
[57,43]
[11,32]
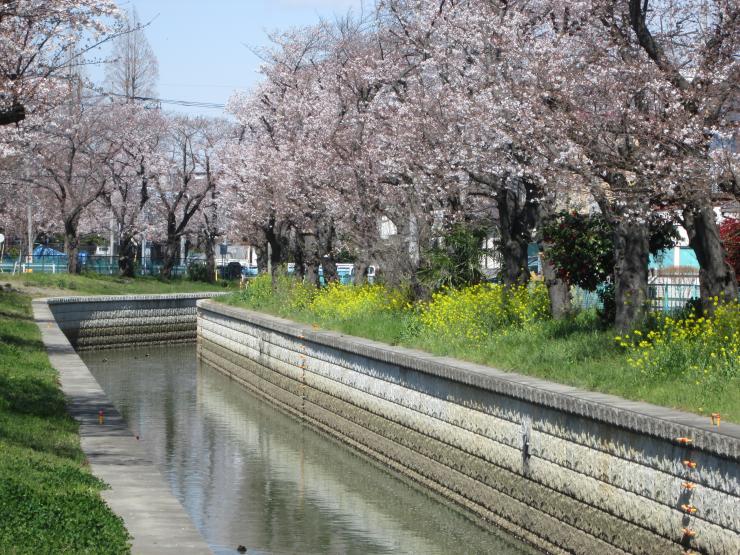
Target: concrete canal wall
[570,471]
[127,321]
[137,491]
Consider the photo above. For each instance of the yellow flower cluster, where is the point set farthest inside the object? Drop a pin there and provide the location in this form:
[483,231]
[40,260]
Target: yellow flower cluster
[337,301]
[480,311]
[703,349]
[471,314]
[258,292]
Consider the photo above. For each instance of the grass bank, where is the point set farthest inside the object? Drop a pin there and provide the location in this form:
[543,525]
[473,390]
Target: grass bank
[696,371]
[49,501]
[38,285]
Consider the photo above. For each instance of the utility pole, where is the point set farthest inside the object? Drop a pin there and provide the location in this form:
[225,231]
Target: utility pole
[29,219]
[112,243]
[269,258]
[143,255]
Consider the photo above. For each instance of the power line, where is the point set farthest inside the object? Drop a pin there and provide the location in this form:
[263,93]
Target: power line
[184,103]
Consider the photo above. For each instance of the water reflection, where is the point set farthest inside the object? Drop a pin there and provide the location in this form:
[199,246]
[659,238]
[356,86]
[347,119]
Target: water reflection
[249,475]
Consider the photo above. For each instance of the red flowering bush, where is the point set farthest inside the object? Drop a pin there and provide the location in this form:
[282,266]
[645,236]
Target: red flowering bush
[729,231]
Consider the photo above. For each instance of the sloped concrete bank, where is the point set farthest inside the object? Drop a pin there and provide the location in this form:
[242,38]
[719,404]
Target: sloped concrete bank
[138,492]
[127,320]
[570,471]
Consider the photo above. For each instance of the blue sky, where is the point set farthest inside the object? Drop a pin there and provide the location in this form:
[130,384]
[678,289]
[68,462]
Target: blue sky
[203,45]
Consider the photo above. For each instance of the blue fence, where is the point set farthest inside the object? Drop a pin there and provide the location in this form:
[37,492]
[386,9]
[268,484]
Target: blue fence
[665,294]
[57,264]
[670,296]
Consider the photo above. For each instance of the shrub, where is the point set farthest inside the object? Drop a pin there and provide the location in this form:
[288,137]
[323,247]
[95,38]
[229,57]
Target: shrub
[198,271]
[287,294]
[343,302]
[478,312]
[729,231]
[456,261]
[258,292]
[705,350]
[581,247]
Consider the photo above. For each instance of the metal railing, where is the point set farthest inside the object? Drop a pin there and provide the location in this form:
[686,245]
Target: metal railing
[665,294]
[105,264]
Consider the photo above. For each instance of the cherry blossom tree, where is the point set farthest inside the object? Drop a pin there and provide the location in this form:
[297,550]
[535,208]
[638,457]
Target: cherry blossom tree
[643,90]
[435,112]
[177,194]
[69,157]
[215,218]
[282,154]
[39,41]
[137,134]
[566,93]
[24,210]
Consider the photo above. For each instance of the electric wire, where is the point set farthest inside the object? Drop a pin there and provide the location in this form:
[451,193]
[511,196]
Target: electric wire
[184,103]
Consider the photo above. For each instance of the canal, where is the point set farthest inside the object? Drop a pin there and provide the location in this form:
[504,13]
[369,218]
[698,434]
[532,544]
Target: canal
[250,475]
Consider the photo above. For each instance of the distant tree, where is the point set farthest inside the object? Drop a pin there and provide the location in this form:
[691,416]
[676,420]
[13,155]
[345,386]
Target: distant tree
[214,218]
[134,70]
[138,134]
[177,196]
[70,154]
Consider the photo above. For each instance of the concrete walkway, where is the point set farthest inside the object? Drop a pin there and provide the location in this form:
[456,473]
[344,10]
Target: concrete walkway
[138,491]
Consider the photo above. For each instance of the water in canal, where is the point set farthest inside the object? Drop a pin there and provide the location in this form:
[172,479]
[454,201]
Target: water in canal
[249,475]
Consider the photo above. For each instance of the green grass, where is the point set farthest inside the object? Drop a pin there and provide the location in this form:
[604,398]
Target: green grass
[95,284]
[576,351]
[49,501]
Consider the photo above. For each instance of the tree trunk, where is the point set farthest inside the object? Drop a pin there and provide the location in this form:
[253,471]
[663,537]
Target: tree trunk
[326,250]
[262,258]
[716,277]
[329,267]
[514,229]
[400,256]
[171,253]
[632,255]
[14,114]
[171,248]
[209,242]
[557,289]
[361,268]
[299,260]
[72,245]
[274,249]
[126,256]
[311,258]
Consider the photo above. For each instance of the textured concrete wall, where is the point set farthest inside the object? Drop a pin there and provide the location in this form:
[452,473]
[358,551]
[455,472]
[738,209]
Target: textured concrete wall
[569,470]
[120,321]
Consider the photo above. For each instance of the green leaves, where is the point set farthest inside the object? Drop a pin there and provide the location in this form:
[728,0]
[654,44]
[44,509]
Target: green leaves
[456,260]
[49,501]
[581,248]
